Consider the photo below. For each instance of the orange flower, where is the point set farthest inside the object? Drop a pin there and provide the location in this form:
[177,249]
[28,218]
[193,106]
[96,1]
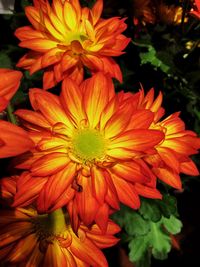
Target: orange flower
[13,140]
[9,83]
[65,37]
[87,149]
[196,11]
[30,239]
[173,152]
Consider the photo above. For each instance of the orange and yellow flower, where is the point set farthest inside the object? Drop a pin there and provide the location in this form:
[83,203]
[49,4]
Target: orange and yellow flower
[64,38]
[9,83]
[173,153]
[88,146]
[30,239]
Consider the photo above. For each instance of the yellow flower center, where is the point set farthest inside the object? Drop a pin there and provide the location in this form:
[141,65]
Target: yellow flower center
[88,145]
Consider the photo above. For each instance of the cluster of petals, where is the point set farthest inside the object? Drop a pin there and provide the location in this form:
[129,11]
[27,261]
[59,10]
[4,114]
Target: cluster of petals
[172,155]
[89,144]
[64,37]
[30,239]
[196,10]
[13,139]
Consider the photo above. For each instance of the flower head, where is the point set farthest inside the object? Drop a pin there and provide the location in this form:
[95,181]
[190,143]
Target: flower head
[88,146]
[30,239]
[64,38]
[173,153]
[9,83]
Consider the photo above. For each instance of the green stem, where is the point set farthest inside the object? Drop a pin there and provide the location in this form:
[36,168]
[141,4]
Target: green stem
[11,116]
[56,221]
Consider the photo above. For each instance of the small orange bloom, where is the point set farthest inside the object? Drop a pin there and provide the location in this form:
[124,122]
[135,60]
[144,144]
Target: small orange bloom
[173,151]
[64,38]
[9,83]
[30,239]
[13,140]
[196,10]
[88,145]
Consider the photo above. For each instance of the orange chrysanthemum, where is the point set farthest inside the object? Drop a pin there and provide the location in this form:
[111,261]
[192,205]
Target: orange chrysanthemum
[88,145]
[9,83]
[13,140]
[30,239]
[65,37]
[172,157]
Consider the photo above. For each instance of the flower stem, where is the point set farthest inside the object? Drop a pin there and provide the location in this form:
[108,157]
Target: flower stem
[56,221]
[11,116]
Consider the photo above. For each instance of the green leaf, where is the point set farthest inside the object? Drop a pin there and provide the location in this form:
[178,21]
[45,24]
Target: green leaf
[150,210]
[138,247]
[160,241]
[168,205]
[136,225]
[5,61]
[173,225]
[151,57]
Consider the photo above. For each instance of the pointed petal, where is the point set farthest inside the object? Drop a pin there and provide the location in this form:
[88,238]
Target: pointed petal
[87,205]
[95,98]
[16,141]
[55,188]
[24,196]
[126,193]
[138,140]
[50,164]
[88,252]
[169,177]
[71,99]
[99,185]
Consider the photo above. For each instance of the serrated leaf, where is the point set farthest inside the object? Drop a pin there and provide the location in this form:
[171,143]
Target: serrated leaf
[150,210]
[160,241]
[135,224]
[168,206]
[173,225]
[138,247]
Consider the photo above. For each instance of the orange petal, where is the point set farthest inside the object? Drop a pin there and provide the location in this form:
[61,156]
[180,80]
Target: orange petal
[39,44]
[102,217]
[88,252]
[71,99]
[16,141]
[87,205]
[49,164]
[95,98]
[137,123]
[126,193]
[189,168]
[55,187]
[147,191]
[96,11]
[28,189]
[99,185]
[129,171]
[169,177]
[33,117]
[138,140]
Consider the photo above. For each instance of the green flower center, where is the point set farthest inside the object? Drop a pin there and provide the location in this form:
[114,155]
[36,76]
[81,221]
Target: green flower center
[88,145]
